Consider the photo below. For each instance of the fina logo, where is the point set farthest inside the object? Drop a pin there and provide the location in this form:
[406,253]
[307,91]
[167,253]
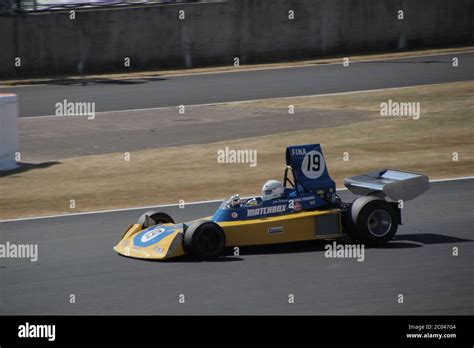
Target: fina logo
[298,151]
[152,234]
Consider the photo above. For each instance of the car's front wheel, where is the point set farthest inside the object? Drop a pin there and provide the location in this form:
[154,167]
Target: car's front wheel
[204,240]
[151,218]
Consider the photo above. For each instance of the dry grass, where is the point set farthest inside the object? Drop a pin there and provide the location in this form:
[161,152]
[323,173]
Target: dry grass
[192,172]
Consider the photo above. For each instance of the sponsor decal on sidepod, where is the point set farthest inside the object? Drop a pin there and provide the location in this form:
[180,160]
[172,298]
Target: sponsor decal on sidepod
[267,210]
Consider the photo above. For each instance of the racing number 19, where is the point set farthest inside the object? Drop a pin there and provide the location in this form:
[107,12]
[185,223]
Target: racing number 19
[314,162]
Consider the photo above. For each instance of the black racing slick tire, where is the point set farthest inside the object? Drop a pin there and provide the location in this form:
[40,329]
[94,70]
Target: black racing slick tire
[151,218]
[375,221]
[204,240]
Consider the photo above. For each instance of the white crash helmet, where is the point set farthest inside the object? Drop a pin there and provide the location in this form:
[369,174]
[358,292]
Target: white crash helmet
[272,189]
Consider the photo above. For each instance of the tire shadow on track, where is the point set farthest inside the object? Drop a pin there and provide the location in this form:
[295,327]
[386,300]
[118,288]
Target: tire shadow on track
[404,241]
[188,259]
[430,238]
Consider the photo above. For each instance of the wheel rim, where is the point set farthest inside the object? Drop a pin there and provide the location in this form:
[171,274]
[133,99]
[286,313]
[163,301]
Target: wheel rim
[209,241]
[379,223]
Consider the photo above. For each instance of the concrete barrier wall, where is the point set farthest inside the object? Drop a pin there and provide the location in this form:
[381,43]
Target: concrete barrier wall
[215,33]
[8,130]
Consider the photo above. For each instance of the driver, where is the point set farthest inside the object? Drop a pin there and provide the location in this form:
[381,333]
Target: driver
[272,189]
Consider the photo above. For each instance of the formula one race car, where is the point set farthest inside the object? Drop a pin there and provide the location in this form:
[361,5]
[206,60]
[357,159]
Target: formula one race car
[304,207]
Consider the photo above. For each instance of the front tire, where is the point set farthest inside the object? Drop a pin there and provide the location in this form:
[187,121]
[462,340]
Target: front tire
[204,240]
[151,218]
[375,222]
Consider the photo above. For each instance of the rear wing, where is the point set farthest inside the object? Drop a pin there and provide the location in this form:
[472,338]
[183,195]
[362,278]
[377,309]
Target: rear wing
[393,184]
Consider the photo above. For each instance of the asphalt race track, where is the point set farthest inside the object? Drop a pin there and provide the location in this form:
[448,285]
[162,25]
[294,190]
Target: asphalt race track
[111,95]
[76,257]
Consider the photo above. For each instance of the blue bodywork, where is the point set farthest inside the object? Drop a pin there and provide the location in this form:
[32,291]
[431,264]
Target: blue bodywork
[153,234]
[313,189]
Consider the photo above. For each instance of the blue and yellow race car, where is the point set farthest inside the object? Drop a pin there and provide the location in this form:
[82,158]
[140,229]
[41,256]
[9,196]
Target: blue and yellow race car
[304,207]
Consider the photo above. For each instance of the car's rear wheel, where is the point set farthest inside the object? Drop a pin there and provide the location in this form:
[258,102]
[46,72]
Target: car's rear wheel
[375,221]
[204,240]
[151,218]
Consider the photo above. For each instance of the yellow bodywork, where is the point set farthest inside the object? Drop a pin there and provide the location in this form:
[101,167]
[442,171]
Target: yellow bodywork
[170,246]
[271,230]
[295,227]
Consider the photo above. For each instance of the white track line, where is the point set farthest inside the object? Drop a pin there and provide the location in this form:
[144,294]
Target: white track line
[173,205]
[237,102]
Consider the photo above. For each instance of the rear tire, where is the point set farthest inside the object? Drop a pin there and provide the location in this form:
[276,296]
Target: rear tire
[151,218]
[204,240]
[375,223]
